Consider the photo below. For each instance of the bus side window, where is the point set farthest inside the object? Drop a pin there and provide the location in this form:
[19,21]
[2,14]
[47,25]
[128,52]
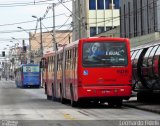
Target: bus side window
[72,54]
[70,63]
[65,59]
[73,57]
[76,55]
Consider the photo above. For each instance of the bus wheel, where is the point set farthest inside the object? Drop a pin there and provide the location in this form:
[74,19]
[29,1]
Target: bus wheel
[61,96]
[119,103]
[45,88]
[53,97]
[73,103]
[110,104]
[49,97]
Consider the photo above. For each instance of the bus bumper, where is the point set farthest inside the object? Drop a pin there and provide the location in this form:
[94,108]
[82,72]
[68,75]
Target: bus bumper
[105,92]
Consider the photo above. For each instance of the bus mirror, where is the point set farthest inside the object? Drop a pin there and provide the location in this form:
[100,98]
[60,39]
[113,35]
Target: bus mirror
[41,65]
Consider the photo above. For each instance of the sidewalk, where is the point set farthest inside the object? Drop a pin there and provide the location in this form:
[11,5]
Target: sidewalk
[147,106]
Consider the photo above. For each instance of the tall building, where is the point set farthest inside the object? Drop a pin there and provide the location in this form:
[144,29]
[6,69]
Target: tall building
[139,17]
[91,17]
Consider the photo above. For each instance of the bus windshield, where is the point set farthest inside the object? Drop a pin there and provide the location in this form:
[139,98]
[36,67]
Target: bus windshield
[104,54]
[30,68]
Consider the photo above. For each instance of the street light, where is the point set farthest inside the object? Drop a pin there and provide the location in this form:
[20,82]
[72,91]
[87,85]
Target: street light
[23,29]
[15,39]
[29,40]
[41,44]
[34,16]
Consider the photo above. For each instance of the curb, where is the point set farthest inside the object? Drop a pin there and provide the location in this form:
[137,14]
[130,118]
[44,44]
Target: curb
[141,108]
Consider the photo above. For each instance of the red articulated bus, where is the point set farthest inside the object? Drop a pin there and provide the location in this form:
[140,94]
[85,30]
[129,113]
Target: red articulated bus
[47,76]
[90,69]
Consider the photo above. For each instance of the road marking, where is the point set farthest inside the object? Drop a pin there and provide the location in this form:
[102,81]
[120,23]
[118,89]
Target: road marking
[68,116]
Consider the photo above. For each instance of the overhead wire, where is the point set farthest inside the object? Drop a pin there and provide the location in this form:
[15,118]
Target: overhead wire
[29,3]
[57,29]
[48,8]
[29,21]
[109,19]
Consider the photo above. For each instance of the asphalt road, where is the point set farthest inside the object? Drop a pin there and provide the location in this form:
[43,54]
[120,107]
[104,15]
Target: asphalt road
[29,107]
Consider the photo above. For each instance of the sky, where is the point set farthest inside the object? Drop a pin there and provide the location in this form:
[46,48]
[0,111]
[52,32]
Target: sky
[18,13]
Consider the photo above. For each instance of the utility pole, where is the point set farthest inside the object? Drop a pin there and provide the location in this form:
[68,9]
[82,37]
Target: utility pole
[30,37]
[30,57]
[79,21]
[23,53]
[112,13]
[54,30]
[74,15]
[73,21]
[55,87]
[41,43]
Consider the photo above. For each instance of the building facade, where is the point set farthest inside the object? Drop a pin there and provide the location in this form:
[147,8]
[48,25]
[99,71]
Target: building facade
[139,17]
[91,17]
[61,37]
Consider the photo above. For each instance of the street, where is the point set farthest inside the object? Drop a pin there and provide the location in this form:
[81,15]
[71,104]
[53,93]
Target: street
[30,105]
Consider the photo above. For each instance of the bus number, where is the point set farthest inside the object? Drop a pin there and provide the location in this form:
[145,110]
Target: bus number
[122,71]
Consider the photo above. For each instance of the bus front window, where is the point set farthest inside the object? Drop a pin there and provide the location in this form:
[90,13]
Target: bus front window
[31,69]
[104,54]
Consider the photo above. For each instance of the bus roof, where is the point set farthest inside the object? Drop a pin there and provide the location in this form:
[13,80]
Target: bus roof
[29,64]
[90,39]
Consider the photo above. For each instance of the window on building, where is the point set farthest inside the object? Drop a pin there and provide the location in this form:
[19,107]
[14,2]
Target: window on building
[92,31]
[135,17]
[116,4]
[107,2]
[124,14]
[100,4]
[100,30]
[92,4]
[129,20]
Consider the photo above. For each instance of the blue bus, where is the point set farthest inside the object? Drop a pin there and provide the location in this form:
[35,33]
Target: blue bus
[28,75]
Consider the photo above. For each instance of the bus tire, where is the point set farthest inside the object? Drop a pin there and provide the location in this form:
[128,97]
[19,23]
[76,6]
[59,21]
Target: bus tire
[53,97]
[119,103]
[73,103]
[110,104]
[49,97]
[116,102]
[45,88]
[61,95]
